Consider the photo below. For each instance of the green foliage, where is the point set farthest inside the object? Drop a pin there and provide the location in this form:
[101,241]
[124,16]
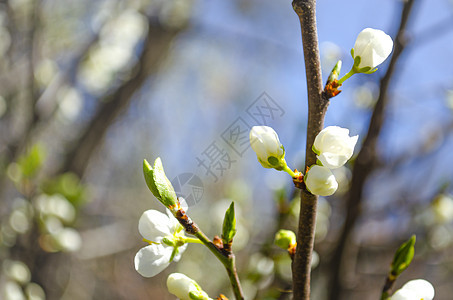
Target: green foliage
[68,185]
[30,162]
[229,225]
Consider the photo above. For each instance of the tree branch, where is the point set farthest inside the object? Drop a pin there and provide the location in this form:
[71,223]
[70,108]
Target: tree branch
[156,47]
[367,158]
[317,106]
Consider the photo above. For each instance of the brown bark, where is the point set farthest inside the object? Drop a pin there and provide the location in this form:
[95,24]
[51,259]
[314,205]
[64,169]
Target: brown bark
[317,106]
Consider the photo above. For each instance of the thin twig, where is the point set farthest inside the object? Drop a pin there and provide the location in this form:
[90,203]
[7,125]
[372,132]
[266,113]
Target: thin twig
[317,106]
[227,258]
[367,158]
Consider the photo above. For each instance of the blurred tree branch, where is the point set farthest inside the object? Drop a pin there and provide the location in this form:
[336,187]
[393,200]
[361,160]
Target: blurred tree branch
[157,44]
[367,159]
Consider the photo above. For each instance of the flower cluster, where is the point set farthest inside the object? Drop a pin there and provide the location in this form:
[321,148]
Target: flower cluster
[166,242]
[334,147]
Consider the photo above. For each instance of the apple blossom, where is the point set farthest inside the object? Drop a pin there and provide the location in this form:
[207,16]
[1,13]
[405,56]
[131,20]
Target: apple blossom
[373,46]
[334,146]
[185,288]
[167,242]
[417,289]
[320,181]
[270,152]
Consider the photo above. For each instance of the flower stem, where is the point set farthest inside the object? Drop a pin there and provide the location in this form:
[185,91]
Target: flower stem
[289,171]
[226,257]
[346,76]
[228,261]
[192,240]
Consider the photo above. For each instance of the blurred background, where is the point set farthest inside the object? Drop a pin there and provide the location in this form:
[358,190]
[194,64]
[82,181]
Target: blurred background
[88,89]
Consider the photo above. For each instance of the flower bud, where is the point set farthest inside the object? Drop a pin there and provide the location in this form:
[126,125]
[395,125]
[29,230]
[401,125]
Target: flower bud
[403,257]
[320,181]
[415,289]
[334,146]
[159,184]
[270,152]
[285,238]
[371,48]
[185,288]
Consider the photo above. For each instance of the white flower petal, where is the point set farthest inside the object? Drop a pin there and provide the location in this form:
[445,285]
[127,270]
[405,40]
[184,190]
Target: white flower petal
[404,295]
[264,141]
[334,146]
[373,46]
[153,259]
[154,225]
[421,288]
[181,286]
[320,181]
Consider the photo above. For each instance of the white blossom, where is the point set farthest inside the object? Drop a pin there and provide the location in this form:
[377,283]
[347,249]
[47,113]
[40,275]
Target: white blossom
[270,152]
[320,181]
[182,286]
[334,146]
[442,207]
[417,289]
[373,46]
[155,226]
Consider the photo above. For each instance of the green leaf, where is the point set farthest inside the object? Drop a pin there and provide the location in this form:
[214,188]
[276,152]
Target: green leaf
[229,225]
[32,161]
[159,184]
[403,256]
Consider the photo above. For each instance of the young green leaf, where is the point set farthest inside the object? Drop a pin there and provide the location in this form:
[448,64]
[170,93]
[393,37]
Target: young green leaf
[159,184]
[229,225]
[403,257]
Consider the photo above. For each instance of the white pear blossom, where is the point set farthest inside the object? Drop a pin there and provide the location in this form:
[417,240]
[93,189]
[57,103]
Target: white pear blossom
[166,238]
[270,152]
[320,181]
[334,146]
[182,286]
[442,208]
[417,289]
[373,46]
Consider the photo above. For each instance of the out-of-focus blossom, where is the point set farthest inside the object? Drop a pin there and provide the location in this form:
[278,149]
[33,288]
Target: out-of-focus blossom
[442,207]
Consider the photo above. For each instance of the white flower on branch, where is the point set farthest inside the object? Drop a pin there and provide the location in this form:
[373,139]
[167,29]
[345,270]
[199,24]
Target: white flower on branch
[185,288]
[320,181]
[373,46]
[417,289]
[166,238]
[334,146]
[270,152]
